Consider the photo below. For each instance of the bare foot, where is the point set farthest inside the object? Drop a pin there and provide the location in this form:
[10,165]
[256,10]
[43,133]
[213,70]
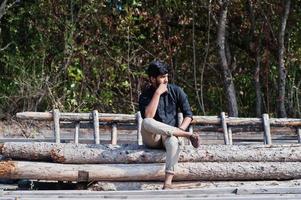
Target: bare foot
[167,187]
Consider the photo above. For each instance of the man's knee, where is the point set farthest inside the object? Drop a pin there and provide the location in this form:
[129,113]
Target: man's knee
[171,142]
[148,121]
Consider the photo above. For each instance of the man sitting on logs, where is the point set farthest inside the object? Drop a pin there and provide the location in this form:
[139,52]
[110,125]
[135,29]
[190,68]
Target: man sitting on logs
[159,105]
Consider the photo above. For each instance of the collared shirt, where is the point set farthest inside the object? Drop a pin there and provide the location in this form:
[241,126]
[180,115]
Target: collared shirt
[169,104]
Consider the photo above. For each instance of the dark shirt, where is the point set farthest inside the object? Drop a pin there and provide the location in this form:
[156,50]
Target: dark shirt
[169,104]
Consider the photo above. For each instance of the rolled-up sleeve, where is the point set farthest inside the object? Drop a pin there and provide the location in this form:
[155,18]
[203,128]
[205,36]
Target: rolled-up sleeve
[143,102]
[184,104]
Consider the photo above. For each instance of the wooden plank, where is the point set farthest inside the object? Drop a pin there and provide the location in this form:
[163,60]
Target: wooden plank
[227,190]
[270,190]
[140,185]
[8,187]
[56,121]
[96,126]
[267,131]
[205,197]
[240,191]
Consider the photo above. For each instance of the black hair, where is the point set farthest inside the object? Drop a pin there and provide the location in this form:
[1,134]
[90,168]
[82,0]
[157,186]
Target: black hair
[157,68]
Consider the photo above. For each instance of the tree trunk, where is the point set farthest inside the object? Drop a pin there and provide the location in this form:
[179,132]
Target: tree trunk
[227,75]
[254,50]
[150,172]
[2,9]
[282,70]
[94,154]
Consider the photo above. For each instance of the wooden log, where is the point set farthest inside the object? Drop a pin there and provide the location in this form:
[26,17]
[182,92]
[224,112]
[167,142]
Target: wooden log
[152,171]
[84,153]
[110,117]
[28,150]
[104,117]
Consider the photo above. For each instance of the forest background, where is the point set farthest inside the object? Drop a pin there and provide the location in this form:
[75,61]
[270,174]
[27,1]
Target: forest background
[240,56]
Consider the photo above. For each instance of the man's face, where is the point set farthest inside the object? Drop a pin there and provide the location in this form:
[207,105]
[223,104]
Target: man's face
[159,80]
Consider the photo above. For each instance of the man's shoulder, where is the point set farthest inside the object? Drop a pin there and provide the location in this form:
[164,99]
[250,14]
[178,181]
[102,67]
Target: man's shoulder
[175,87]
[148,91]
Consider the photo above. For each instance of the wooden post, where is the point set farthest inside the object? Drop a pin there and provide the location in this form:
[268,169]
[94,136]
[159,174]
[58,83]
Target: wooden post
[114,134]
[56,121]
[266,128]
[96,126]
[139,123]
[299,135]
[230,136]
[76,134]
[225,129]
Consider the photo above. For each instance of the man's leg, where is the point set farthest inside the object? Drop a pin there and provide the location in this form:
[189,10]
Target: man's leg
[152,126]
[172,156]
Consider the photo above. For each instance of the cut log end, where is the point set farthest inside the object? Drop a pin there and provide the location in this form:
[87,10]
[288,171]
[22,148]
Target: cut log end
[7,168]
[56,156]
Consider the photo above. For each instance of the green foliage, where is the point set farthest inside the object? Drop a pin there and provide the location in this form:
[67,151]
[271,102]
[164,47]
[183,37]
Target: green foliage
[84,55]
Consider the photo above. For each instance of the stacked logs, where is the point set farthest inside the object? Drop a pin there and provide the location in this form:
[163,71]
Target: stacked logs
[84,162]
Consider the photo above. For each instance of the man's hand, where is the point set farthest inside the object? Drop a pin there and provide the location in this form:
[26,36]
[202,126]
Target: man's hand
[151,108]
[162,88]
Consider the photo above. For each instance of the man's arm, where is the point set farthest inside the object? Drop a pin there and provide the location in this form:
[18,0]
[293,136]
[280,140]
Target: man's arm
[151,108]
[185,123]
[185,109]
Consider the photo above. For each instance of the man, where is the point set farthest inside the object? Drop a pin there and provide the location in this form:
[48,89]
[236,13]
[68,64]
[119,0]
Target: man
[159,105]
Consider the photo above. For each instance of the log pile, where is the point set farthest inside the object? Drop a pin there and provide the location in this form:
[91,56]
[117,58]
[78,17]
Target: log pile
[82,162]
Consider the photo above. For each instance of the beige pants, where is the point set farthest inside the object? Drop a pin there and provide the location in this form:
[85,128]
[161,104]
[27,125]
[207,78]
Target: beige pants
[158,135]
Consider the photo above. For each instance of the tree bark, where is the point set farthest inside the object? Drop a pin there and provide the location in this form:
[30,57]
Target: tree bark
[227,74]
[99,154]
[2,9]
[281,69]
[254,50]
[27,150]
[151,172]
